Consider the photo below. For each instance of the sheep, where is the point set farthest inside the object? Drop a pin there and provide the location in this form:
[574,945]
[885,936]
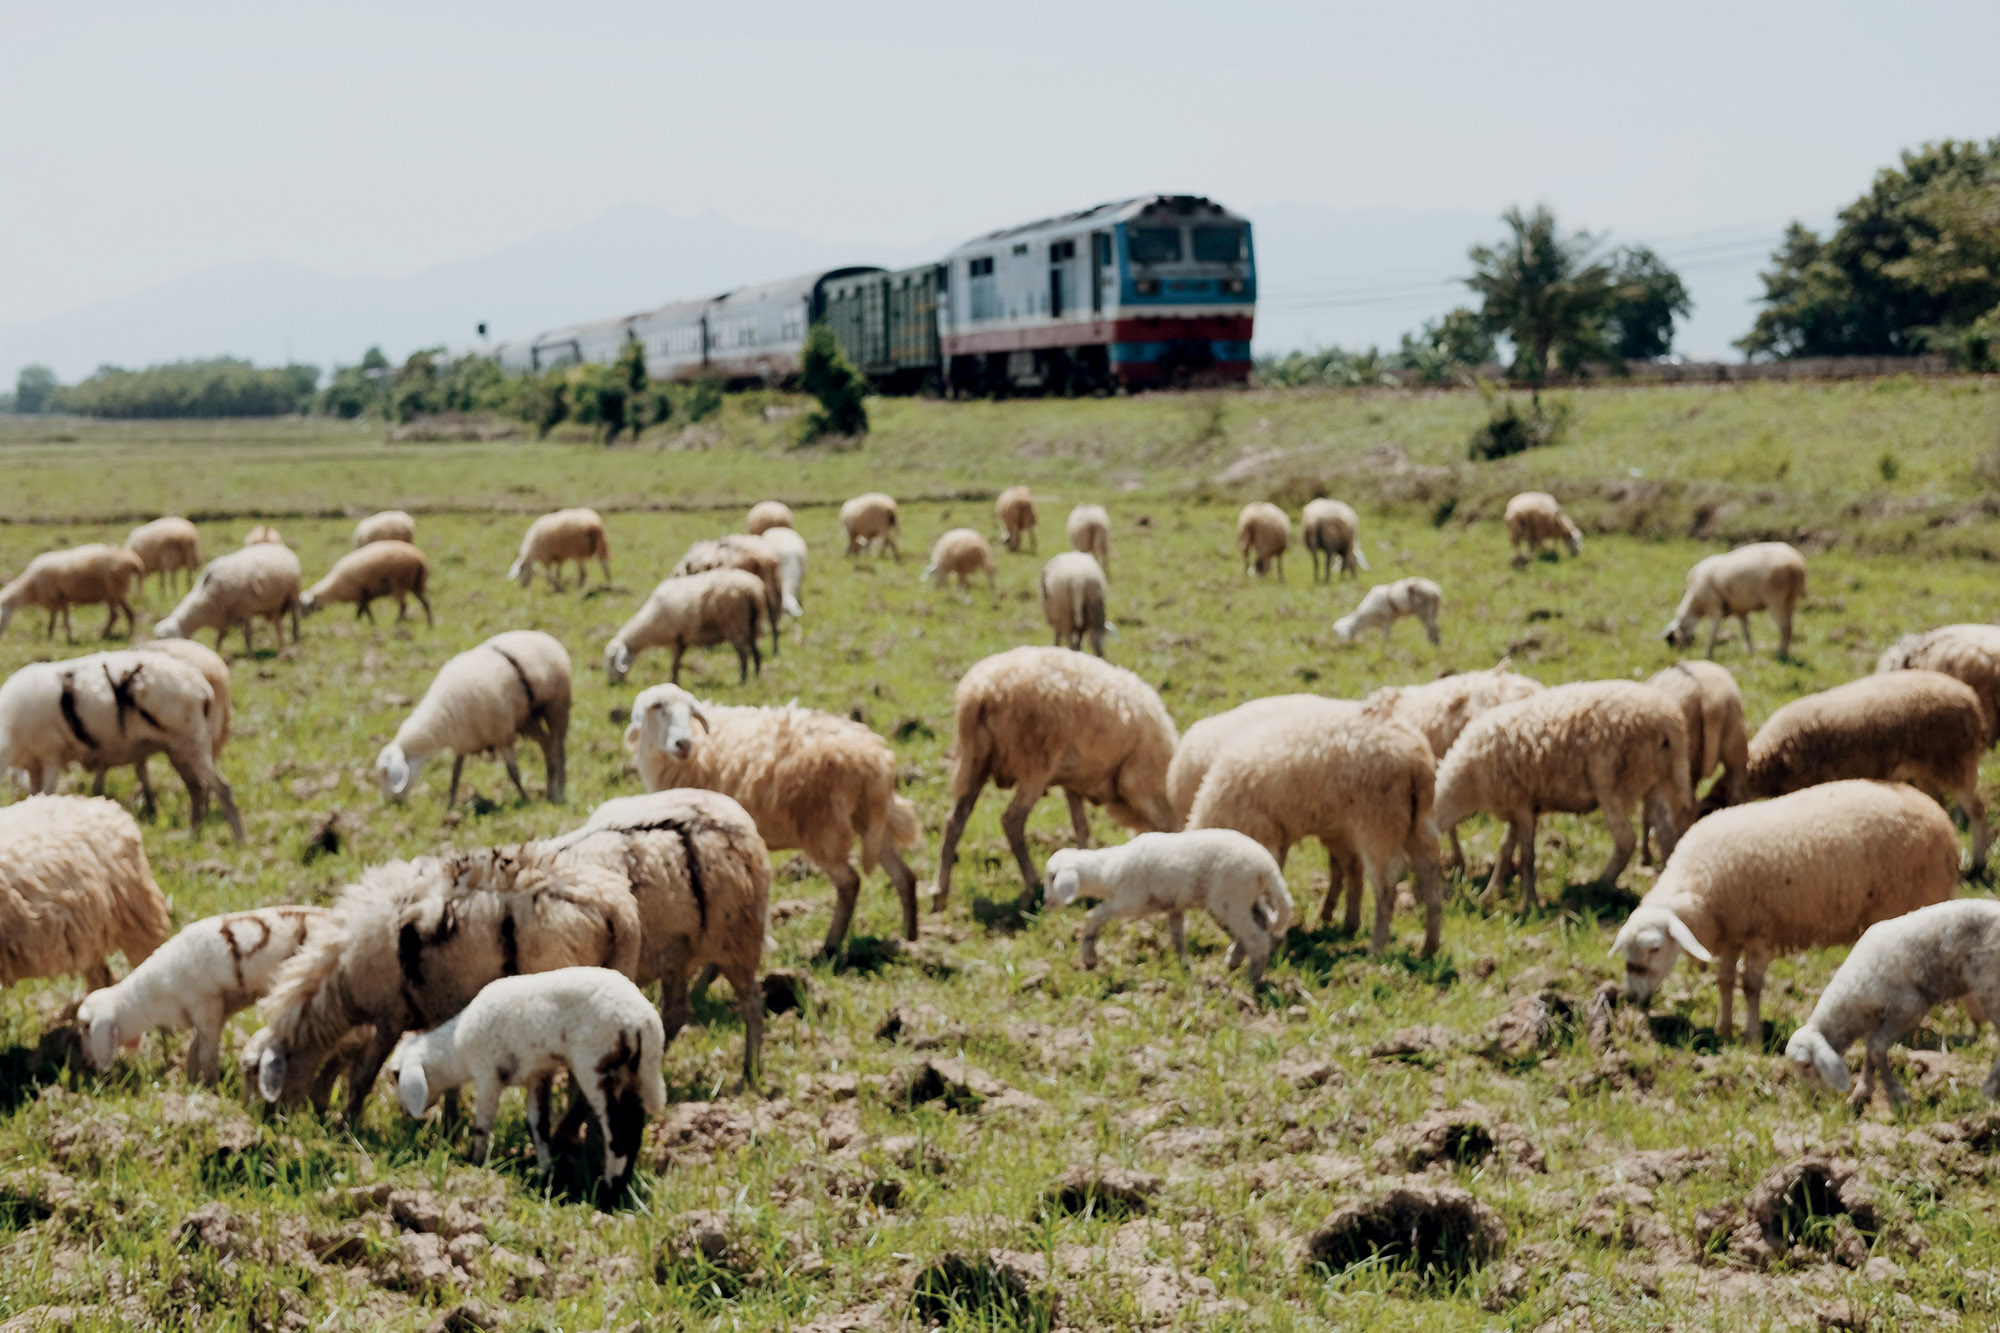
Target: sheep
[697,611]
[1763,576]
[233,590]
[514,684]
[1262,534]
[263,535]
[198,979]
[1802,871]
[1073,594]
[753,555]
[1610,745]
[418,939]
[213,670]
[811,780]
[1896,973]
[1328,529]
[383,567]
[960,552]
[166,546]
[391,525]
[1386,603]
[768,514]
[111,709]
[554,539]
[791,549]
[1712,707]
[1089,529]
[870,522]
[519,1032]
[1968,653]
[1230,875]
[1915,726]
[1033,718]
[1199,745]
[75,888]
[1535,519]
[57,580]
[1441,708]
[1016,511]
[1350,775]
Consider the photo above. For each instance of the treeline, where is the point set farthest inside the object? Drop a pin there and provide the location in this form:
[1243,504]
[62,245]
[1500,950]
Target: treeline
[221,387]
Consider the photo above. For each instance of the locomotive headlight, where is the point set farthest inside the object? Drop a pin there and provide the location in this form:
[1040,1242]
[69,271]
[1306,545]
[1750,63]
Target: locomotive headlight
[1147,286]
[1232,284]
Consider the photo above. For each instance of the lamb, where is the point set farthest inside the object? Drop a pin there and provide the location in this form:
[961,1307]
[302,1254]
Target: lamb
[263,535]
[1610,745]
[1386,603]
[960,553]
[1016,511]
[391,525]
[198,979]
[1262,534]
[1328,529]
[213,670]
[1033,718]
[1441,708]
[1896,973]
[697,611]
[380,568]
[791,549]
[753,555]
[1089,529]
[166,546]
[554,539]
[811,781]
[520,1031]
[1803,871]
[1968,653]
[1073,595]
[1713,709]
[768,514]
[1534,519]
[1763,576]
[870,522]
[1230,875]
[75,888]
[514,684]
[1916,726]
[57,580]
[233,590]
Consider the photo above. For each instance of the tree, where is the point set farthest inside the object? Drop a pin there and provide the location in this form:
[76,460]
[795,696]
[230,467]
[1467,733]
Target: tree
[1548,292]
[1446,347]
[34,388]
[827,374]
[1647,296]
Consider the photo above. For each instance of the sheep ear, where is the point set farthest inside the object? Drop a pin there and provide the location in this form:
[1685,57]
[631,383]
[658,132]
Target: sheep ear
[1624,938]
[103,1040]
[414,1088]
[632,737]
[271,1074]
[1685,938]
[399,775]
[1064,887]
[622,659]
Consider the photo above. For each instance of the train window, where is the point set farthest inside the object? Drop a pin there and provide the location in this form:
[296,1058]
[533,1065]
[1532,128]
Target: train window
[1155,245]
[980,268]
[1021,249]
[1218,245]
[1103,240]
[1061,250]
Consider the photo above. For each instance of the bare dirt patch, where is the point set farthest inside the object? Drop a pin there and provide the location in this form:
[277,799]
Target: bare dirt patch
[996,1286]
[1430,1228]
[1466,1135]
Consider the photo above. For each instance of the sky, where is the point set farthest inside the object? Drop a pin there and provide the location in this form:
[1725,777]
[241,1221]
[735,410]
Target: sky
[145,142]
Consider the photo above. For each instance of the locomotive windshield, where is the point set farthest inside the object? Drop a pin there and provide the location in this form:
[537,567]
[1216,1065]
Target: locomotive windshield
[1218,245]
[1155,245]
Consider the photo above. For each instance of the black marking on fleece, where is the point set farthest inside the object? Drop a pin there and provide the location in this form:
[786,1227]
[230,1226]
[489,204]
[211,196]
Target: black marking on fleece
[510,947]
[69,712]
[534,705]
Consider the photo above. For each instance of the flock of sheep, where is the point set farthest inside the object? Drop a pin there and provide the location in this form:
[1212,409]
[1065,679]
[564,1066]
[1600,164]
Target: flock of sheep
[504,966]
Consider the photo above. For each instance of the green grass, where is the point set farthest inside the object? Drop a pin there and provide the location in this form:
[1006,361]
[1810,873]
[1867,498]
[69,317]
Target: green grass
[1144,1063]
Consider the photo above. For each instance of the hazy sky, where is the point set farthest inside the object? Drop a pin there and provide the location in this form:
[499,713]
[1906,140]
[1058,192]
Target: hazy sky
[145,141]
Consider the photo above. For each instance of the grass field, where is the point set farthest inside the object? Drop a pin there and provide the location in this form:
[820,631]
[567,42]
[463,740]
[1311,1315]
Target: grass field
[831,1195]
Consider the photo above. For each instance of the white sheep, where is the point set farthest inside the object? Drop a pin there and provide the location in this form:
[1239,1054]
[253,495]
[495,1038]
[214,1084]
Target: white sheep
[869,521]
[1089,529]
[960,553]
[263,535]
[1386,603]
[1262,534]
[1804,871]
[1074,591]
[1015,508]
[233,590]
[768,514]
[213,670]
[1534,519]
[1328,528]
[1713,706]
[1967,653]
[1763,576]
[57,580]
[554,539]
[1230,875]
[75,888]
[391,525]
[381,567]
[519,1032]
[752,555]
[1196,751]
[166,546]
[1441,708]
[1898,971]
[514,684]
[791,549]
[198,979]
[694,611]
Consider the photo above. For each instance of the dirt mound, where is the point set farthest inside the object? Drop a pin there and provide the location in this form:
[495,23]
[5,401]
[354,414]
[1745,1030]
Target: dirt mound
[1103,1191]
[1534,1024]
[999,1286]
[921,1027]
[785,991]
[1415,1043]
[1808,1209]
[1466,1135]
[960,1086]
[1432,1229]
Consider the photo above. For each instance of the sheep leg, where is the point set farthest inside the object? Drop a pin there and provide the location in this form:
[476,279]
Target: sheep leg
[1100,916]
[1079,818]
[1755,960]
[1524,852]
[555,763]
[52,627]
[363,1069]
[1784,619]
[204,1057]
[954,828]
[756,656]
[425,603]
[513,763]
[457,767]
[402,608]
[674,674]
[1618,822]
[97,787]
[538,1119]
[485,1107]
[1457,863]
[846,890]
[1714,630]
[1253,942]
[750,1008]
[1385,908]
[1725,983]
[250,637]
[905,883]
[364,611]
[110,620]
[1177,932]
[1014,822]
[68,633]
[604,562]
[1503,861]
[1334,883]
[1878,1057]
[1975,815]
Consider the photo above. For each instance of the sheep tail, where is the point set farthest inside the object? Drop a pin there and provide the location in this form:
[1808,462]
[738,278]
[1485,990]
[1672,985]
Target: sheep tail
[308,1007]
[904,826]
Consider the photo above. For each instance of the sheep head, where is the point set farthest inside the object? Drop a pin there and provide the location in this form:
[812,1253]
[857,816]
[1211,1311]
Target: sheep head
[1343,628]
[396,771]
[521,571]
[406,1071]
[1652,940]
[1064,876]
[663,719]
[1813,1054]
[97,1019]
[617,661]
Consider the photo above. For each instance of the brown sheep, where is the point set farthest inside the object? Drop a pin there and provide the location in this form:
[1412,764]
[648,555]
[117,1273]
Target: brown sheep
[1016,511]
[379,568]
[167,546]
[75,888]
[1968,653]
[57,580]
[1262,534]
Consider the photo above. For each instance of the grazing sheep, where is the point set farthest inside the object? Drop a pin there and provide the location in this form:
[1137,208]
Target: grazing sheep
[960,553]
[1898,971]
[1016,511]
[233,590]
[1328,529]
[391,525]
[1262,534]
[213,670]
[519,1032]
[263,535]
[1712,707]
[514,684]
[1195,753]
[1089,529]
[1803,871]
[1534,520]
[74,889]
[1610,745]
[384,567]
[791,549]
[1441,708]
[1386,603]
[166,546]
[57,580]
[1073,595]
[697,611]
[811,780]
[752,555]
[870,522]
[1902,726]
[317,1087]
[1763,576]
[768,514]
[1232,876]
[198,979]
[1967,653]
[554,539]
[1035,718]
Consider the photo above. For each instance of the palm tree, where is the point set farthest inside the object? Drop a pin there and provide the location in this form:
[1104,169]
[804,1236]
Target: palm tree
[1546,291]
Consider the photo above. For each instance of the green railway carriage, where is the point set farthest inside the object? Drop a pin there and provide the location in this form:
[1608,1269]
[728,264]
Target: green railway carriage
[887,325]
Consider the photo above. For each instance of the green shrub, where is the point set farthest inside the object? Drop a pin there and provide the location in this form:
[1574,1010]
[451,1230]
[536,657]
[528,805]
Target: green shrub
[1510,431]
[829,376]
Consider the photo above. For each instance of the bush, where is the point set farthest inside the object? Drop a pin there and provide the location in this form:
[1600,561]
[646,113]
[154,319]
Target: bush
[222,387]
[829,376]
[1509,431]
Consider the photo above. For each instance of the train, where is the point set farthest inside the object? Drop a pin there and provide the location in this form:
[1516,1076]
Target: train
[1137,293]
